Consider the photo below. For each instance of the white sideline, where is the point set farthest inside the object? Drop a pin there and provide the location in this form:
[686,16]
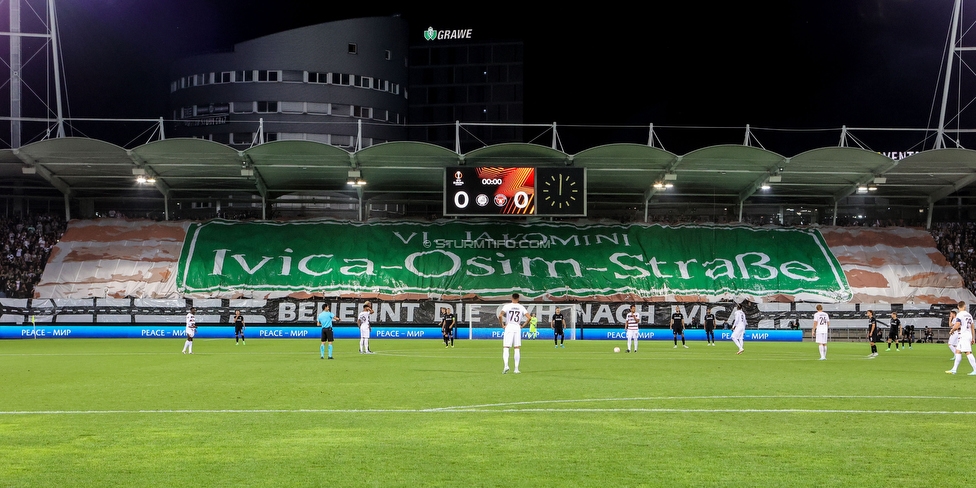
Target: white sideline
[511,407]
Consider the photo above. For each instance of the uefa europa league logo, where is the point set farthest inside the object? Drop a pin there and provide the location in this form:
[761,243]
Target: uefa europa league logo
[430,34]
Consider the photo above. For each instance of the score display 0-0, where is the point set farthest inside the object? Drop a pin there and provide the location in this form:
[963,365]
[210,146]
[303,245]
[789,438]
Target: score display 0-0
[515,191]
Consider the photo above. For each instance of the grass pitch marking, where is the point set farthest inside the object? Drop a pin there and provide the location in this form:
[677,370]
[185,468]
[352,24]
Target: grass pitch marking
[515,407]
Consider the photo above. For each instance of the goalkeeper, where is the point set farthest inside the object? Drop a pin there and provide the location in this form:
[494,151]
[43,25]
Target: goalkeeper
[533,322]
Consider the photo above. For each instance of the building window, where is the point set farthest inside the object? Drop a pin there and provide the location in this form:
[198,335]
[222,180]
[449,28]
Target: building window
[317,108]
[226,77]
[353,48]
[242,107]
[362,112]
[292,76]
[341,141]
[244,76]
[340,109]
[267,107]
[343,78]
[292,107]
[268,75]
[241,138]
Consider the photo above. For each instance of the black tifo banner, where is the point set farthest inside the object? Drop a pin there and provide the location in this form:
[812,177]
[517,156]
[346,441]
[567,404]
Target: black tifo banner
[302,313]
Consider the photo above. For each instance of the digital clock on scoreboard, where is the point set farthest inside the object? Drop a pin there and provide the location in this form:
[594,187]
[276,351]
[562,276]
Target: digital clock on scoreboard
[510,191]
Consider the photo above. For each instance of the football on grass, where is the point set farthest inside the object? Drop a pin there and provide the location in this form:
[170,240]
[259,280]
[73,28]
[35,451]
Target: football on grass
[616,349]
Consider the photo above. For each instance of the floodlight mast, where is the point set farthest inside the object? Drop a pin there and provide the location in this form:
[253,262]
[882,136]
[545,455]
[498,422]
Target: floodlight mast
[15,33]
[15,67]
[940,134]
[56,59]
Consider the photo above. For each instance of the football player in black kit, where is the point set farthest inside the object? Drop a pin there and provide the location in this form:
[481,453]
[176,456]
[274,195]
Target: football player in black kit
[558,325]
[873,334]
[447,326]
[893,327]
[907,334]
[238,328]
[678,327]
[710,327]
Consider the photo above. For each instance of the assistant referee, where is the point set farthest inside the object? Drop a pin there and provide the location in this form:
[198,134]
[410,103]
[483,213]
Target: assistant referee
[325,320]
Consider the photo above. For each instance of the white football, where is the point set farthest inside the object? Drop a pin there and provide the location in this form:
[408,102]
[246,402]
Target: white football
[616,349]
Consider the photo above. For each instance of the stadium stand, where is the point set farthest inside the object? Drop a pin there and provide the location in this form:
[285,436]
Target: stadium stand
[27,243]
[955,241]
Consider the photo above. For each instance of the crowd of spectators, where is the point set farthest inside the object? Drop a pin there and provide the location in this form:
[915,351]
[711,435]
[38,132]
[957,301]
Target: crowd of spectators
[27,243]
[955,241]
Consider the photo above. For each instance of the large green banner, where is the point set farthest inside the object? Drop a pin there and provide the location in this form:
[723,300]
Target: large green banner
[497,259]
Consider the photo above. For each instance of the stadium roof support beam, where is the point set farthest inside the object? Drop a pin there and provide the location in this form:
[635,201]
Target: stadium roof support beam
[44,172]
[140,163]
[758,183]
[949,190]
[50,178]
[259,183]
[359,206]
[751,189]
[162,187]
[647,201]
[846,192]
[651,191]
[864,180]
[263,190]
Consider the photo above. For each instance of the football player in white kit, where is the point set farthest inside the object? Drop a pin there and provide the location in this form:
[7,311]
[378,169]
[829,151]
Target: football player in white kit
[738,327]
[363,321]
[953,341]
[191,331]
[820,324]
[964,322]
[632,324]
[512,318]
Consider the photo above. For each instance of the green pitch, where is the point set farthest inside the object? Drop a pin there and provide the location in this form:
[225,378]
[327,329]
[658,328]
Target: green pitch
[138,413]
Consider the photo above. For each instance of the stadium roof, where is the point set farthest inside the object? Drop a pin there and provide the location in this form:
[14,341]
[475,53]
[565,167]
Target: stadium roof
[195,168]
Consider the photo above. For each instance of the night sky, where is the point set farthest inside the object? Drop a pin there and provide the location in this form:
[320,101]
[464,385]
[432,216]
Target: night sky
[786,64]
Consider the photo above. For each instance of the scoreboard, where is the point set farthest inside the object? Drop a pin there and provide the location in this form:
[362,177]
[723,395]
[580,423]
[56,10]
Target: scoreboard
[515,191]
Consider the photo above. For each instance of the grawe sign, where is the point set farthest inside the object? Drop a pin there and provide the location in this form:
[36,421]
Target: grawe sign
[432,34]
[496,259]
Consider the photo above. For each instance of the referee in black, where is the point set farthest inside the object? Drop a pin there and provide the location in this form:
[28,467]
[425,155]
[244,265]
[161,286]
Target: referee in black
[558,325]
